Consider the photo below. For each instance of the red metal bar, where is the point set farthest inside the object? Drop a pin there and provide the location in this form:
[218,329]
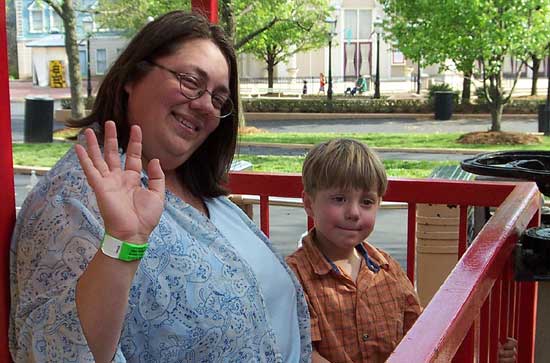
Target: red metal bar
[207,7]
[527,322]
[484,331]
[411,241]
[465,353]
[7,209]
[439,331]
[495,328]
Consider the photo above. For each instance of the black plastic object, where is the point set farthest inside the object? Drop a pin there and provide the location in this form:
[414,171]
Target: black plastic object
[533,255]
[38,119]
[526,165]
[443,105]
[544,119]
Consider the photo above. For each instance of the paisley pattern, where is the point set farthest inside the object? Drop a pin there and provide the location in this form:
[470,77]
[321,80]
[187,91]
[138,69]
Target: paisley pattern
[193,298]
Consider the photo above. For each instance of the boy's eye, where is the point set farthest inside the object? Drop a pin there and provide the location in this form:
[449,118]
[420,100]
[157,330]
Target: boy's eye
[368,201]
[338,198]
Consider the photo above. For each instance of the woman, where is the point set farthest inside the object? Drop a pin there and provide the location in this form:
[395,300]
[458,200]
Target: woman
[85,286]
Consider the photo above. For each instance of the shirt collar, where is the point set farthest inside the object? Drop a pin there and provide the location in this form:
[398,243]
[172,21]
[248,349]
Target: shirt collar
[323,265]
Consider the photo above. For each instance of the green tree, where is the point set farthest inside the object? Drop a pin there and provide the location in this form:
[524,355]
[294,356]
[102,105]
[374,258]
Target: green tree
[301,28]
[128,16]
[472,31]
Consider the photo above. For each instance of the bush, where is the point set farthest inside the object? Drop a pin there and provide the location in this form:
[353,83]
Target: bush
[369,105]
[480,94]
[347,105]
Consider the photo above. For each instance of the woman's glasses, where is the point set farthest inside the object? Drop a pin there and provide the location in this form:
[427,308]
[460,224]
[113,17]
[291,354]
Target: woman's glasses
[192,87]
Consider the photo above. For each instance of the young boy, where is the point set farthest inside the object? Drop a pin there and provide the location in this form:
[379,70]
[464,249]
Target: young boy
[360,300]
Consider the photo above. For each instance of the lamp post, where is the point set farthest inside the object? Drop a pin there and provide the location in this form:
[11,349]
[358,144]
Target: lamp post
[332,24]
[88,70]
[377,25]
[88,27]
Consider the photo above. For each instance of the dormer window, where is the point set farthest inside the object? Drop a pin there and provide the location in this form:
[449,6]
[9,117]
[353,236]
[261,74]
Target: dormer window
[36,17]
[56,24]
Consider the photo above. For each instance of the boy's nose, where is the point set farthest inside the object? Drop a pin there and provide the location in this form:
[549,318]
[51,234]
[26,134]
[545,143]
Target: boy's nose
[352,211]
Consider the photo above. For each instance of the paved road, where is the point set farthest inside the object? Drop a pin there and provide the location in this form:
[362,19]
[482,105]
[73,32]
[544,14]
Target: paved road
[401,125]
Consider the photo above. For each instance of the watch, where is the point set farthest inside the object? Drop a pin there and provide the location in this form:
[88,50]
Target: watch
[121,250]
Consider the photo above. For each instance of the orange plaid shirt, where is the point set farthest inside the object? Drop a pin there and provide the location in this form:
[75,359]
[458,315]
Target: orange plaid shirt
[360,321]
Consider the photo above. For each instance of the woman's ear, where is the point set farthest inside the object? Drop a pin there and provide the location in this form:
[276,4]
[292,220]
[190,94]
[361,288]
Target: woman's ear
[308,204]
[128,86]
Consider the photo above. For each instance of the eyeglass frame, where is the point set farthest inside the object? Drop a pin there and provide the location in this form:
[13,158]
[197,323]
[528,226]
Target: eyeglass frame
[201,89]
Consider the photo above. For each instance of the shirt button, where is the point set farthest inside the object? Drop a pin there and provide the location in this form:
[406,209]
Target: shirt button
[365,337]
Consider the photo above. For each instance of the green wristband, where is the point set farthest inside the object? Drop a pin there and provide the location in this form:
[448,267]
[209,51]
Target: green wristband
[121,250]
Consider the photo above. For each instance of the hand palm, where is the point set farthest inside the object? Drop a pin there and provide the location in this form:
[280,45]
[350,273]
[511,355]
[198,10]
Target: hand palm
[130,212]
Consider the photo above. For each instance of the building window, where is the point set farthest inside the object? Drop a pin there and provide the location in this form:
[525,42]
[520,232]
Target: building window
[36,18]
[357,30]
[56,24]
[101,61]
[397,57]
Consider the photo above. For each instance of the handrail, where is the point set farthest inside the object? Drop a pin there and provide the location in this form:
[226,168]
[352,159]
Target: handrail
[440,330]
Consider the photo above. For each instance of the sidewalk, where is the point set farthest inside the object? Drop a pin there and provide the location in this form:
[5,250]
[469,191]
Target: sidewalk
[19,89]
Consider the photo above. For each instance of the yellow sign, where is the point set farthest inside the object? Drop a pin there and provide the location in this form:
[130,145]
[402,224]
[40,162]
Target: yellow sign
[57,74]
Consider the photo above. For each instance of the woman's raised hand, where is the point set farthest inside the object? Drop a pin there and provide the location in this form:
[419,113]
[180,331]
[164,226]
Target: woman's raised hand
[130,212]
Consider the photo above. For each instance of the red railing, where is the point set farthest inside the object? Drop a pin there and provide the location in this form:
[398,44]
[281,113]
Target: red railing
[452,325]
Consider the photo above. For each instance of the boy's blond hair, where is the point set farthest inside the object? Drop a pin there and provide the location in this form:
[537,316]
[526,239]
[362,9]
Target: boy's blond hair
[343,163]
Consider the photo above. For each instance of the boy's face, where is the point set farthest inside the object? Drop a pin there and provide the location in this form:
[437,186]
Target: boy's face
[343,218]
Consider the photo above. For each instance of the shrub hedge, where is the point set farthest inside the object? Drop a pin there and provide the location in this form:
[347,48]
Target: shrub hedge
[359,105]
[367,105]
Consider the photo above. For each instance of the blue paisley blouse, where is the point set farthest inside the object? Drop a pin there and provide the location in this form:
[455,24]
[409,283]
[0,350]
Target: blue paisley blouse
[193,299]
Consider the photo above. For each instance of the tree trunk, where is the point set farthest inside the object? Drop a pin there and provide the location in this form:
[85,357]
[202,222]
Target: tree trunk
[535,68]
[496,101]
[467,86]
[71,47]
[270,68]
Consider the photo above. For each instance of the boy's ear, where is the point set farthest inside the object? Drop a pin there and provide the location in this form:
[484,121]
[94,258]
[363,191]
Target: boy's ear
[308,204]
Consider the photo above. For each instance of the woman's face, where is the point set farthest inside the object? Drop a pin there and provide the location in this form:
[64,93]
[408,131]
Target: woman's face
[174,126]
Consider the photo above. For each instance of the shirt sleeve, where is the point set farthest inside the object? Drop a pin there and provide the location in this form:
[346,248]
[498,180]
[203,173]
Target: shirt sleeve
[56,235]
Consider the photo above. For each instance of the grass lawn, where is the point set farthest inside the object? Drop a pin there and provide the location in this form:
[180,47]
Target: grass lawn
[46,155]
[401,140]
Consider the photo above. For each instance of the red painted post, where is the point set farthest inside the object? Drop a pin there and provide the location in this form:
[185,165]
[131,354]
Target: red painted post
[411,241]
[207,7]
[7,211]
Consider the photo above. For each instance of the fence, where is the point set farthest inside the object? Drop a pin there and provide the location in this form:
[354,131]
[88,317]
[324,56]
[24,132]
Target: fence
[479,304]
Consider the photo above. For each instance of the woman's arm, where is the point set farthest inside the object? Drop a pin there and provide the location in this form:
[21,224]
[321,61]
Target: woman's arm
[130,213]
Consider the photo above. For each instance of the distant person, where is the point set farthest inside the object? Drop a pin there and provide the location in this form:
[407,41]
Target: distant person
[304,88]
[322,83]
[361,302]
[359,87]
[128,250]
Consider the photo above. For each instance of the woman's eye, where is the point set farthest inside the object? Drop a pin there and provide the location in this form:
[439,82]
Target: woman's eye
[190,82]
[218,101]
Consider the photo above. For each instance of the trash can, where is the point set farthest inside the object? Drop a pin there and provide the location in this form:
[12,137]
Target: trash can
[544,119]
[443,105]
[38,119]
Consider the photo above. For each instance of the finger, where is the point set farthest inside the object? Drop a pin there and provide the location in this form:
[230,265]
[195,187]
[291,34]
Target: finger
[92,174]
[133,151]
[156,177]
[92,147]
[110,146]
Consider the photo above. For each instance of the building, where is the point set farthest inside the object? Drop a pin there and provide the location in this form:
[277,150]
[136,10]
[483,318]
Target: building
[40,40]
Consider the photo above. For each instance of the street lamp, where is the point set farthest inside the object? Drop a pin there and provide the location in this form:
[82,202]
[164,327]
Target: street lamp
[332,28]
[377,30]
[88,26]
